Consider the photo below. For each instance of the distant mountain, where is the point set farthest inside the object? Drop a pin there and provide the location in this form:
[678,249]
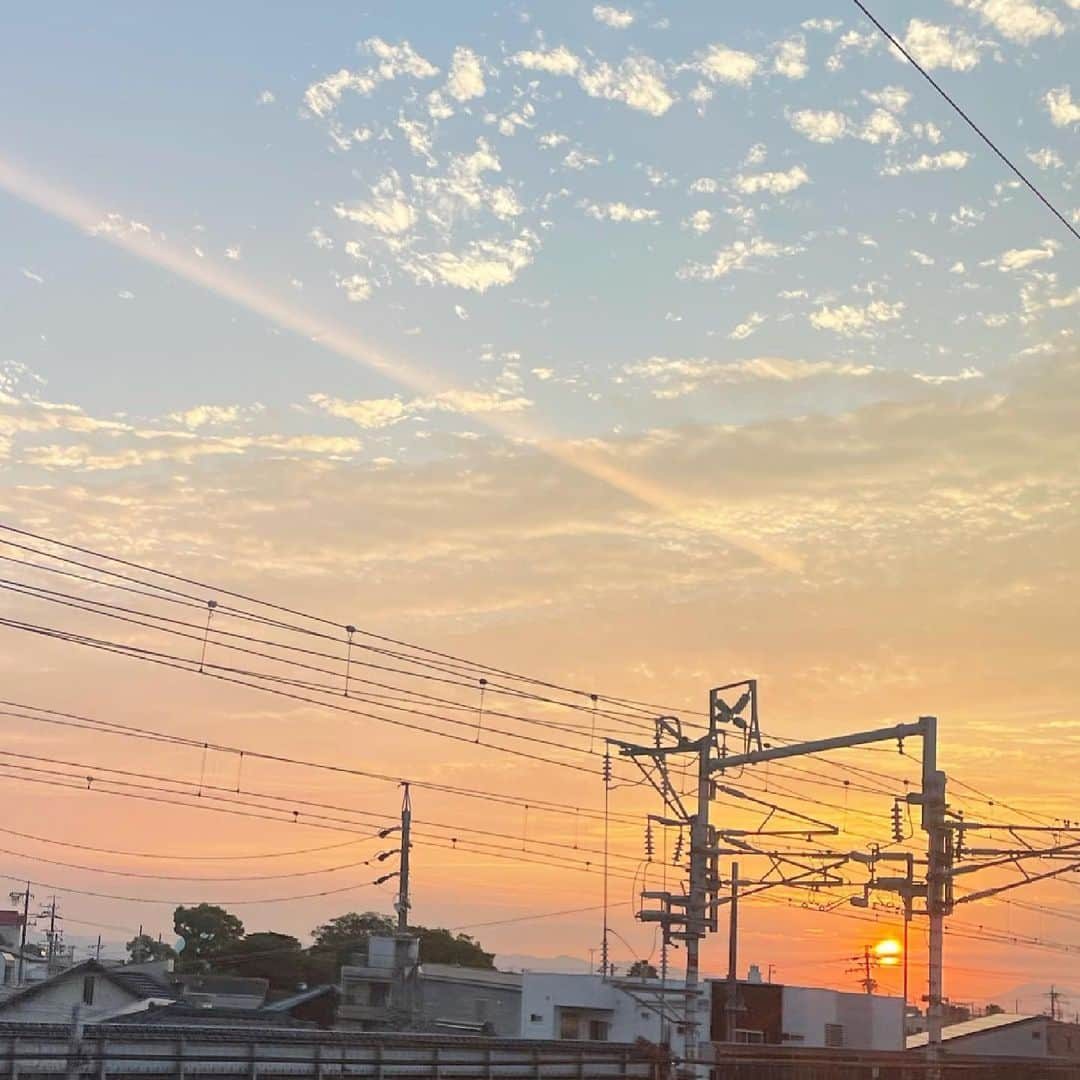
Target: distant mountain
[567,965]
[1034,997]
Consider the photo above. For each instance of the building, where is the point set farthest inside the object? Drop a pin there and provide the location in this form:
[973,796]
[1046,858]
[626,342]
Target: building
[386,987]
[97,991]
[317,1005]
[594,1009]
[222,991]
[1012,1035]
[777,1015]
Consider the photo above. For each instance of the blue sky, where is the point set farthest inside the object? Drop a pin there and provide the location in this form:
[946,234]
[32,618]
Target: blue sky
[607,218]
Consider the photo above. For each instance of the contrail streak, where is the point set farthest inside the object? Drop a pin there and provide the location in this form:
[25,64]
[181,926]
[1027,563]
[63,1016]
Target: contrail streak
[285,312]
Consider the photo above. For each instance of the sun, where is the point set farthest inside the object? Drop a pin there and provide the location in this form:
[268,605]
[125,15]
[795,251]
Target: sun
[888,952]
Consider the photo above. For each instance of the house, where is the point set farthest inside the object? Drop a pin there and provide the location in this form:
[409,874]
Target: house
[386,987]
[594,1009]
[184,1014]
[778,1015]
[222,991]
[11,923]
[97,991]
[1007,1035]
[318,1005]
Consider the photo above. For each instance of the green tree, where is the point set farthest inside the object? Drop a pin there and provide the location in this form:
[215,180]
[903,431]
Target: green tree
[994,1010]
[351,931]
[278,958]
[641,969]
[207,930]
[143,947]
[443,947]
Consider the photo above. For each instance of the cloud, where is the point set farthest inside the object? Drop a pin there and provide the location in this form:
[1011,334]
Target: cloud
[701,221]
[737,256]
[466,79]
[850,321]
[852,41]
[613,17]
[388,212]
[232,253]
[705,185]
[461,313]
[948,159]
[638,81]
[790,58]
[1021,258]
[720,64]
[826,26]
[964,375]
[921,257]
[756,154]
[370,413]
[620,211]
[893,98]
[750,326]
[31,276]
[821,126]
[484,264]
[322,97]
[1045,158]
[1064,112]
[937,46]
[464,190]
[200,416]
[777,183]
[578,160]
[266,98]
[356,287]
[1018,20]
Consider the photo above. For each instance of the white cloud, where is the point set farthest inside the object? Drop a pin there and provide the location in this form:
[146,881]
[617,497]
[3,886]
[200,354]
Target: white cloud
[957,268]
[822,126]
[320,239]
[1018,20]
[790,58]
[921,257]
[484,264]
[881,126]
[849,320]
[966,217]
[464,189]
[578,160]
[461,313]
[722,64]
[200,416]
[855,41]
[949,159]
[1045,158]
[826,26]
[620,211]
[637,82]
[937,46]
[613,17]
[1063,110]
[756,154]
[466,79]
[369,413]
[232,253]
[701,221]
[745,329]
[777,183]
[470,402]
[964,375]
[893,98]
[1019,258]
[418,137]
[266,98]
[551,139]
[388,212]
[31,276]
[705,185]
[357,287]
[126,294]
[737,256]
[322,97]
[558,61]
[679,376]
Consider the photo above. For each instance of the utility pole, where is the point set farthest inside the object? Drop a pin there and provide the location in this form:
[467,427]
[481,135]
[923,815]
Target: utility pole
[97,951]
[403,903]
[52,935]
[731,1006]
[868,981]
[25,897]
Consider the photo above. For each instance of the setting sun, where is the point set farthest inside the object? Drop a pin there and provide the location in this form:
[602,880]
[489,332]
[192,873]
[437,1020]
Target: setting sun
[888,952]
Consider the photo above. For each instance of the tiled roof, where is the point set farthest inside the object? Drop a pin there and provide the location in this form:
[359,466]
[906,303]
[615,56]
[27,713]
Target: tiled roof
[137,983]
[285,1004]
[224,984]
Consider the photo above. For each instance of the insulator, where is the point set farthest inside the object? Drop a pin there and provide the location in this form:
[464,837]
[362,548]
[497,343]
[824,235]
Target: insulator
[648,841]
[607,767]
[897,823]
[678,848]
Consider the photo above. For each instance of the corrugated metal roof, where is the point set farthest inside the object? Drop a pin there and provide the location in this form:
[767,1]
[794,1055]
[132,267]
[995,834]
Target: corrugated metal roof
[976,1026]
[509,980]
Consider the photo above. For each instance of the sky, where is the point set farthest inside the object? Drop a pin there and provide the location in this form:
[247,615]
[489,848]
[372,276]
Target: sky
[640,348]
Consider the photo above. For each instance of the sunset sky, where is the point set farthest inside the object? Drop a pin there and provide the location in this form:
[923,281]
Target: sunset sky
[636,349]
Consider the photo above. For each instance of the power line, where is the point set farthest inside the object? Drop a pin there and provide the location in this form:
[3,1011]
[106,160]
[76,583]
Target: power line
[967,119]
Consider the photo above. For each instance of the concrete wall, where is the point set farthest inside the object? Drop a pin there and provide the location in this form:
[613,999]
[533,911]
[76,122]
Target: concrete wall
[54,1004]
[460,1001]
[1026,1039]
[869,1022]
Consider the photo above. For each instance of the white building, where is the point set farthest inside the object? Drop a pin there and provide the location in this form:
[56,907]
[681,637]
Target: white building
[589,1007]
[1007,1035]
[833,1018]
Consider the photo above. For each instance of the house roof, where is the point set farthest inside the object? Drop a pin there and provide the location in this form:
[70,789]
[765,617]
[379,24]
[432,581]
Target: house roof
[137,983]
[976,1026]
[224,984]
[509,980]
[301,998]
[184,1014]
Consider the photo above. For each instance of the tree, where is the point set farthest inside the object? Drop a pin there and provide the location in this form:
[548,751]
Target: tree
[143,947]
[642,969]
[442,947]
[278,958]
[351,931]
[994,1010]
[207,930]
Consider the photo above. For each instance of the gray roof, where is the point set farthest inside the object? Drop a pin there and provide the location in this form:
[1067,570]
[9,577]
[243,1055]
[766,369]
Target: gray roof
[300,998]
[976,1026]
[183,1014]
[137,983]
[507,980]
[194,983]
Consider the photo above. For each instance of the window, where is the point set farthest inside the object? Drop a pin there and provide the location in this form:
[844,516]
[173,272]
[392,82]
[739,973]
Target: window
[747,1035]
[598,1030]
[834,1034]
[378,994]
[568,1025]
[88,990]
[536,1018]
